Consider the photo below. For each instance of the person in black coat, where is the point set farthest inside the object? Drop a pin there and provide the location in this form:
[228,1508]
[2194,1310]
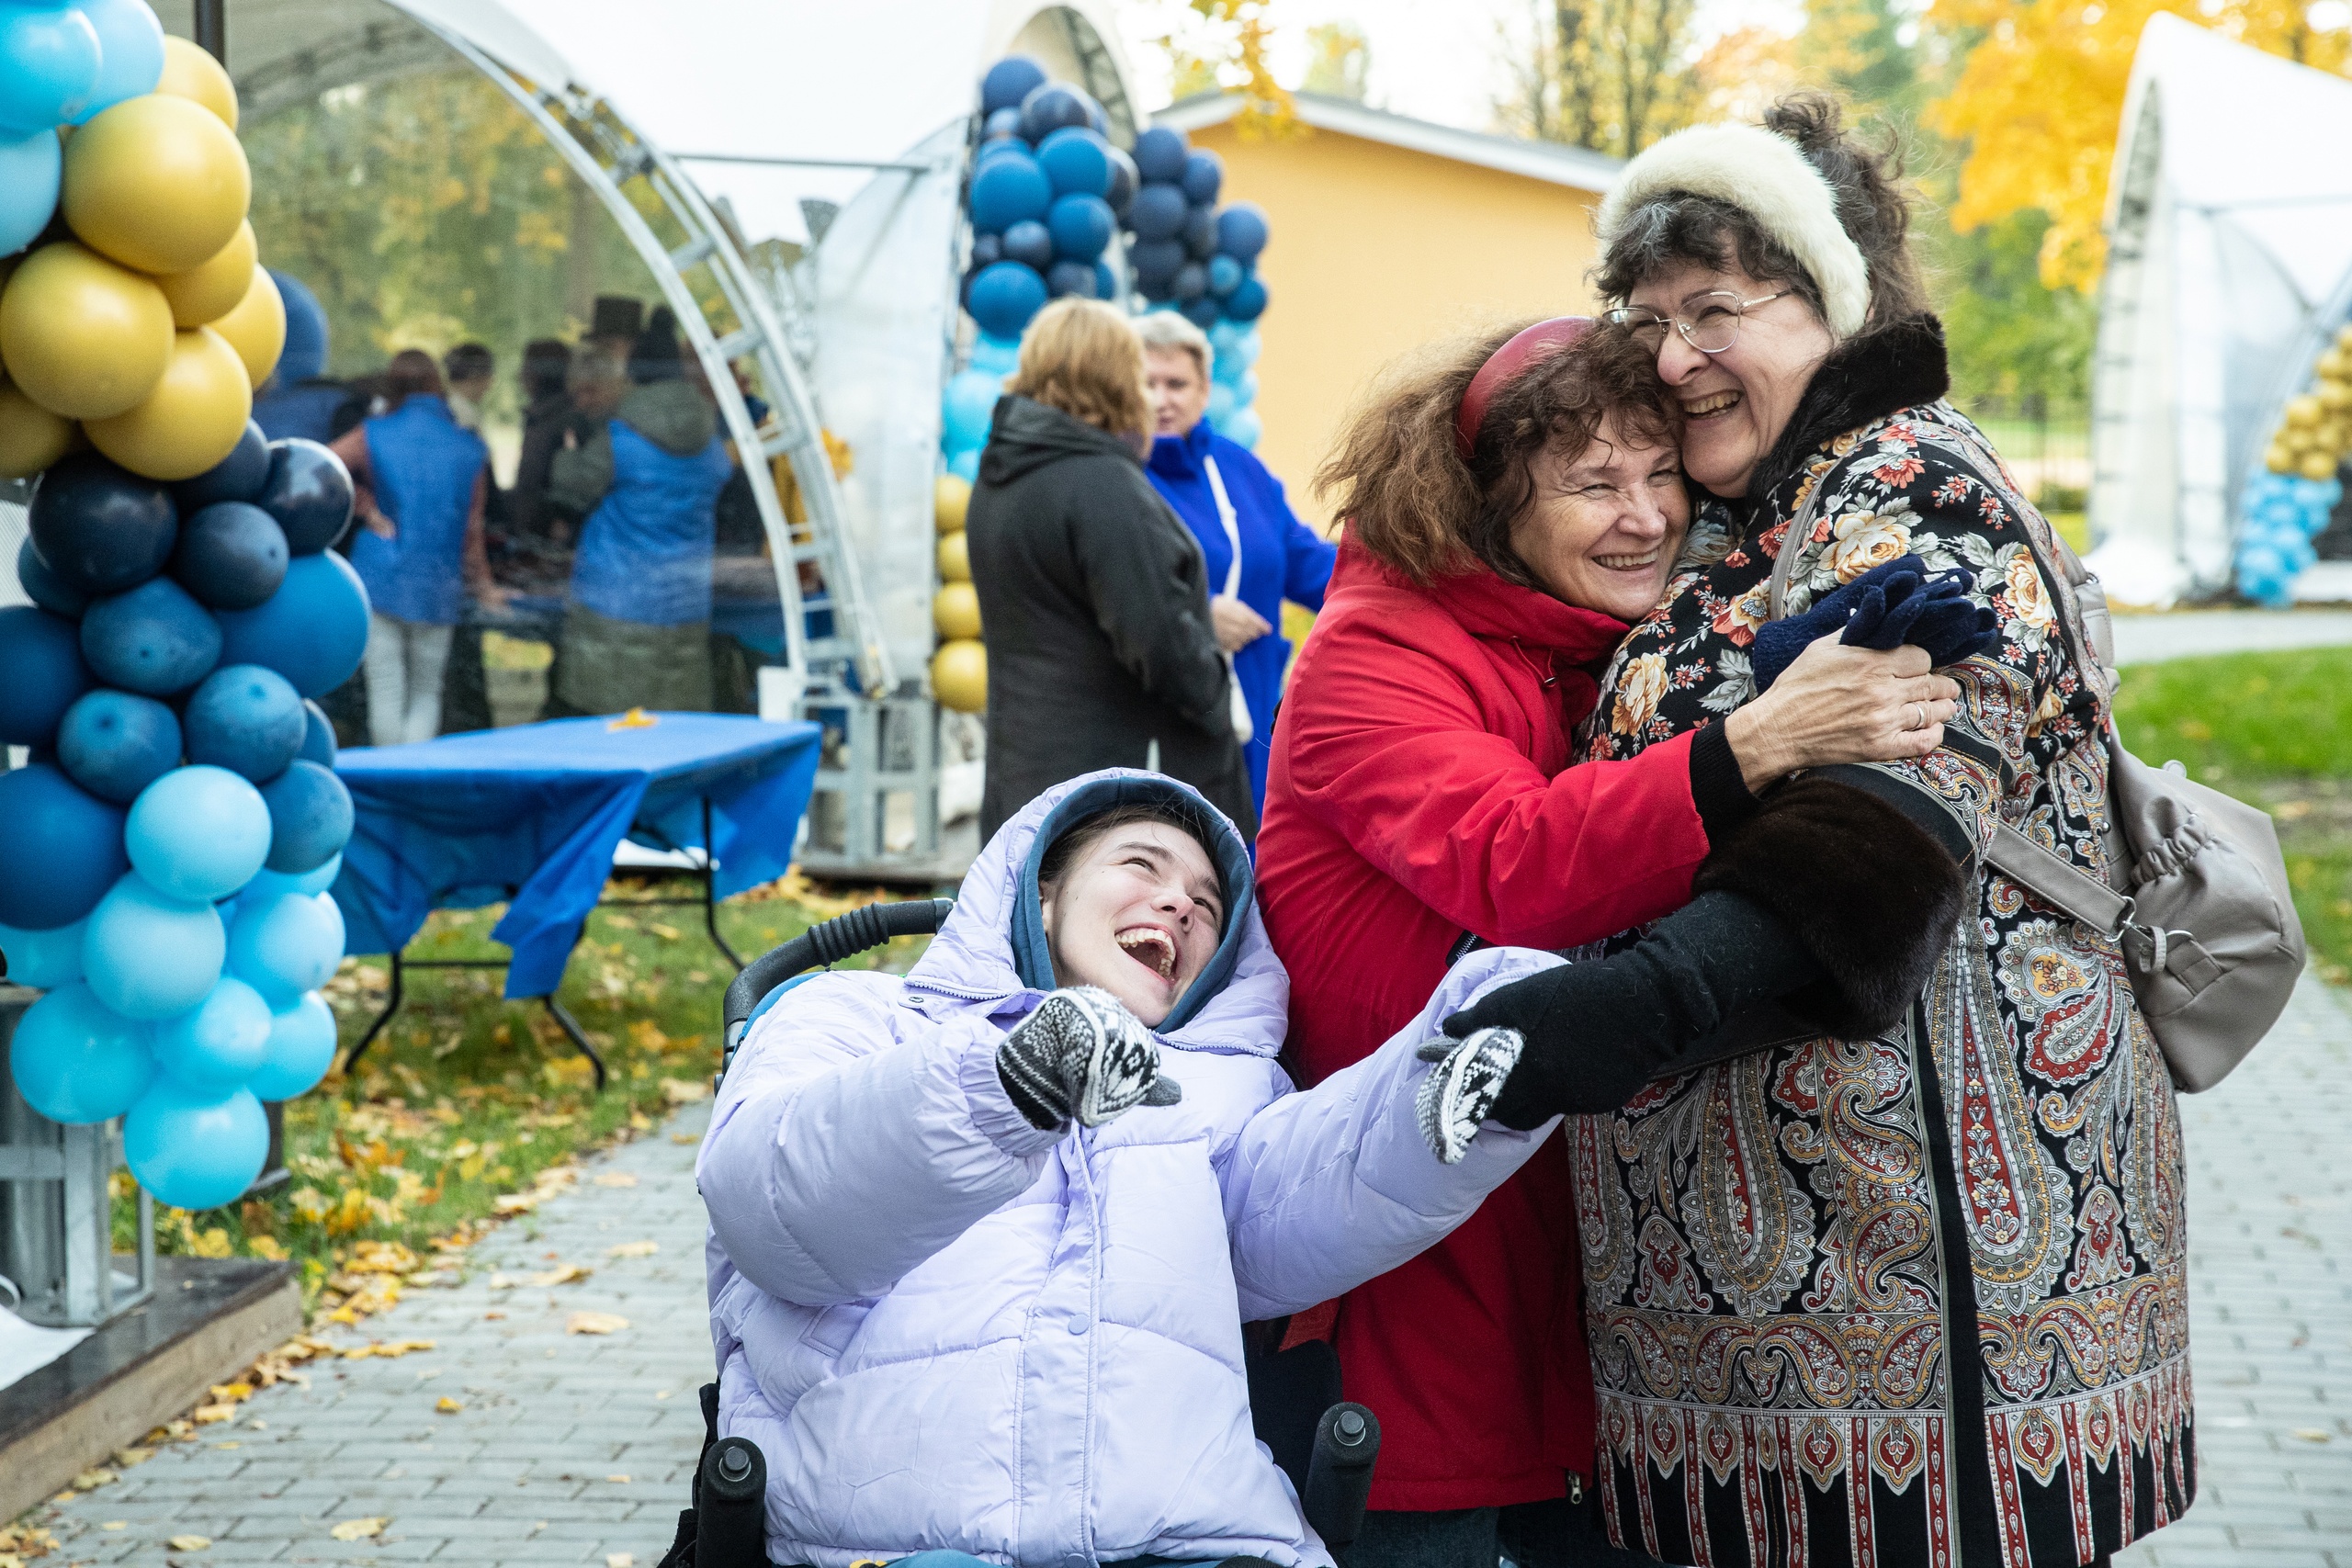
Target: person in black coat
[1094,596]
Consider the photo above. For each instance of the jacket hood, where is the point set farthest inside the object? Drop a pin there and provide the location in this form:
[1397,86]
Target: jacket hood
[1486,606]
[1181,456]
[672,415]
[1025,435]
[993,953]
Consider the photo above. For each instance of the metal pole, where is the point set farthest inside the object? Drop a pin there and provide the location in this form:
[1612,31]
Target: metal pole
[212,28]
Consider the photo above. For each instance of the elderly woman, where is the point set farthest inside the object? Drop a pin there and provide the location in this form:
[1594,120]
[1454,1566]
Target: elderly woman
[1512,502]
[1093,597]
[1259,553]
[1929,1286]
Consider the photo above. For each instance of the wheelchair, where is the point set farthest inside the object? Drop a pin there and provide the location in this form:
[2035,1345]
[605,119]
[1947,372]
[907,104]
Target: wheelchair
[1324,1444]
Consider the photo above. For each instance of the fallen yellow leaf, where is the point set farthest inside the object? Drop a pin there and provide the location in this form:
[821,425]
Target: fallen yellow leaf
[448,1407]
[622,1479]
[620,1560]
[595,1323]
[568,1274]
[616,1178]
[116,1525]
[683,1138]
[515,1203]
[686,1092]
[208,1414]
[190,1542]
[91,1480]
[634,1249]
[359,1529]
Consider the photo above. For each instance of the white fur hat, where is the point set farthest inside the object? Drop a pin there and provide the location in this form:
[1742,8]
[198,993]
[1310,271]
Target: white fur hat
[1765,176]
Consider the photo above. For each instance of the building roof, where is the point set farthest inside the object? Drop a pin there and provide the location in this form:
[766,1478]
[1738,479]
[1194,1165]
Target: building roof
[1554,163]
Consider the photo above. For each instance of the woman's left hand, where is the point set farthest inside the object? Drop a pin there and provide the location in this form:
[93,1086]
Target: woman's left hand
[1237,626]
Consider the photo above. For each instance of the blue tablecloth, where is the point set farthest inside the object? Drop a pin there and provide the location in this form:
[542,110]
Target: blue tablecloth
[532,814]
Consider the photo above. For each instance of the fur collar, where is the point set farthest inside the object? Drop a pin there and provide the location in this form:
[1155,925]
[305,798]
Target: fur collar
[1864,379]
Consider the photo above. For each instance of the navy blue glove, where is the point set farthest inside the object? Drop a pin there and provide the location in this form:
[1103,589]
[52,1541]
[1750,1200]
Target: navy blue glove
[1883,608]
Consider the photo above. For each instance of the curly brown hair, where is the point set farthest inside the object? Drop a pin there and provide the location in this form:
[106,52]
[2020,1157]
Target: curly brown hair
[1083,358]
[1398,477]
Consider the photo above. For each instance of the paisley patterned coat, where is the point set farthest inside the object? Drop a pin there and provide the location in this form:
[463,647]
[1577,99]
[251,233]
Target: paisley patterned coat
[1921,1299]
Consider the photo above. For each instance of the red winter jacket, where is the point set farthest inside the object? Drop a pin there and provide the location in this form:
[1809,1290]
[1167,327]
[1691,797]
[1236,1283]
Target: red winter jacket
[1420,787]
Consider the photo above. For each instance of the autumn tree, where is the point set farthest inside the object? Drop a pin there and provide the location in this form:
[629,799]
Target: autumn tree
[1338,60]
[1221,46]
[1614,75]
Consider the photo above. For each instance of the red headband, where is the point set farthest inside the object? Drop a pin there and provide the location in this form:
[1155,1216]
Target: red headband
[1503,366]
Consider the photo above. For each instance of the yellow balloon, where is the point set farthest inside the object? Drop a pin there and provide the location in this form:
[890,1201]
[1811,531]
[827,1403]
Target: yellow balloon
[956,558]
[189,72]
[2333,394]
[2303,413]
[157,182]
[2280,460]
[960,676]
[193,418]
[2320,465]
[209,292]
[949,497]
[2330,366]
[83,337]
[31,437]
[257,327]
[956,610]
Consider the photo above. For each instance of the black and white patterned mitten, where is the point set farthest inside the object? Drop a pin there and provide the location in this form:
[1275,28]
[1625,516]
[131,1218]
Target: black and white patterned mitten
[1082,1054]
[1462,1088]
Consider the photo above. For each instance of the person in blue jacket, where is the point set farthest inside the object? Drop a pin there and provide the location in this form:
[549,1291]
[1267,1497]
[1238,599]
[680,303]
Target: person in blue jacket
[1225,494]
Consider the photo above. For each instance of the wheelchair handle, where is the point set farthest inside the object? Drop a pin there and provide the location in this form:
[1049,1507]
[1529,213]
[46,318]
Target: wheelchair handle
[1339,1476]
[730,1514]
[829,941]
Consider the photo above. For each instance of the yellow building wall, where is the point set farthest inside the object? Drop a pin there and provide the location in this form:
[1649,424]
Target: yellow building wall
[1376,250]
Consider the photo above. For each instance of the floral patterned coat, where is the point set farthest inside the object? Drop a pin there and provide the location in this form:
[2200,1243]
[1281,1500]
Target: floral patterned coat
[1921,1299]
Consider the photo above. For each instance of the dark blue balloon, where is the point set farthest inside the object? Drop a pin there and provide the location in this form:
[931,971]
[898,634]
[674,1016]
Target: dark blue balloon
[1049,108]
[1001,123]
[247,719]
[1125,182]
[1029,243]
[999,147]
[1106,282]
[40,675]
[1007,189]
[1199,233]
[114,744]
[1068,278]
[1077,162]
[1004,296]
[1161,153]
[232,556]
[239,475]
[986,250]
[312,630]
[154,639]
[1224,275]
[308,492]
[44,588]
[65,849]
[1159,212]
[101,528]
[1007,81]
[309,817]
[318,736]
[1202,312]
[1191,282]
[1155,261]
[1241,231]
[1247,302]
[1204,177]
[1081,226]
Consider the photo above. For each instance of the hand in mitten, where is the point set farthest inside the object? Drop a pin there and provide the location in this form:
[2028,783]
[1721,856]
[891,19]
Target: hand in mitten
[1887,606]
[1460,1092]
[1082,1054]
[1778,643]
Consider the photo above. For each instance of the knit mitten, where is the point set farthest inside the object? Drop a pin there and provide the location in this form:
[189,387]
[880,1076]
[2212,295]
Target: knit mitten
[1460,1091]
[1898,601]
[1082,1054]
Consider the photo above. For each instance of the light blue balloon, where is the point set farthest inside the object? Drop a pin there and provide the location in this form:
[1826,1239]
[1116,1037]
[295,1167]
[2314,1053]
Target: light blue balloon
[285,944]
[217,1043]
[1245,388]
[1243,429]
[150,956]
[316,880]
[130,51]
[966,465]
[997,355]
[49,65]
[45,960]
[1221,405]
[77,1061]
[198,833]
[965,409]
[30,168]
[301,1049]
[193,1150]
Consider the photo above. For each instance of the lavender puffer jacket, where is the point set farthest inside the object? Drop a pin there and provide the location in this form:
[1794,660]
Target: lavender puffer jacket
[945,1328]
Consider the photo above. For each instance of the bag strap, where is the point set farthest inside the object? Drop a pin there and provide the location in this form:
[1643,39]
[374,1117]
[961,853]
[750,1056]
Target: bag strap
[1232,526]
[2055,881]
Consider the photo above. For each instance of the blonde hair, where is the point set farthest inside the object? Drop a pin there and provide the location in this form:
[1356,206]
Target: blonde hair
[1083,358]
[1168,332]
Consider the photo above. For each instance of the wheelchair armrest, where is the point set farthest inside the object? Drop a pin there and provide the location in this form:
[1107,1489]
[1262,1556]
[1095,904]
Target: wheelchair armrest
[1339,1476]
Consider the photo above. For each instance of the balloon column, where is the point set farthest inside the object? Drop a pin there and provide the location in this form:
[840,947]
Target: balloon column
[2289,504]
[959,671]
[173,836]
[1192,255]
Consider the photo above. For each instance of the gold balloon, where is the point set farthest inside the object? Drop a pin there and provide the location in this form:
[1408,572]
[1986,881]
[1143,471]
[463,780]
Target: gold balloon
[2330,366]
[2319,465]
[157,182]
[2281,459]
[257,327]
[2303,413]
[209,292]
[83,337]
[956,558]
[949,497]
[956,610]
[960,676]
[31,437]
[193,418]
[189,72]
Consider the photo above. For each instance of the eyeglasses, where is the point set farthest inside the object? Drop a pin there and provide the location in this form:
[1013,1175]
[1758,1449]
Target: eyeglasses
[1708,323]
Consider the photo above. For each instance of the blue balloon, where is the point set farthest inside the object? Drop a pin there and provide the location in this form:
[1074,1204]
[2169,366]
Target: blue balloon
[102,529]
[1159,212]
[65,849]
[247,719]
[1124,183]
[1204,177]
[1028,241]
[1201,312]
[45,588]
[966,465]
[1241,231]
[312,630]
[1077,162]
[41,656]
[1245,345]
[1221,405]
[1007,189]
[150,956]
[242,475]
[1247,302]
[130,52]
[997,355]
[192,1150]
[1161,153]
[114,744]
[43,960]
[1191,283]
[310,816]
[77,1061]
[285,943]
[230,555]
[1052,105]
[154,639]
[318,736]
[1073,278]
[1001,124]
[49,66]
[1003,146]
[198,833]
[217,1043]
[1106,282]
[1157,262]
[967,407]
[266,882]
[31,165]
[1224,275]
[1245,388]
[301,1049]
[1007,81]
[1243,429]
[304,358]
[308,492]
[1081,226]
[1005,298]
[1199,233]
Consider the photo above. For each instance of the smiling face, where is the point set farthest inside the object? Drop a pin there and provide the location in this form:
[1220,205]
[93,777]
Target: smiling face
[1735,403]
[1602,528]
[1138,912]
[1180,393]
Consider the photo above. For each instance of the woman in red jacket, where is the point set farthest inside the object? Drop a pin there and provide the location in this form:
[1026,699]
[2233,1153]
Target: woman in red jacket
[1512,503]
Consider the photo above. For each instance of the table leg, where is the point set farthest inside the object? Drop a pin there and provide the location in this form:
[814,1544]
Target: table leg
[571,1026]
[391,1006]
[710,892]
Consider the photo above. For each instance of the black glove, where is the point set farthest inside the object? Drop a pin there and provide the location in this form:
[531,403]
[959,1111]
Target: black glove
[1082,1054]
[1885,607]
